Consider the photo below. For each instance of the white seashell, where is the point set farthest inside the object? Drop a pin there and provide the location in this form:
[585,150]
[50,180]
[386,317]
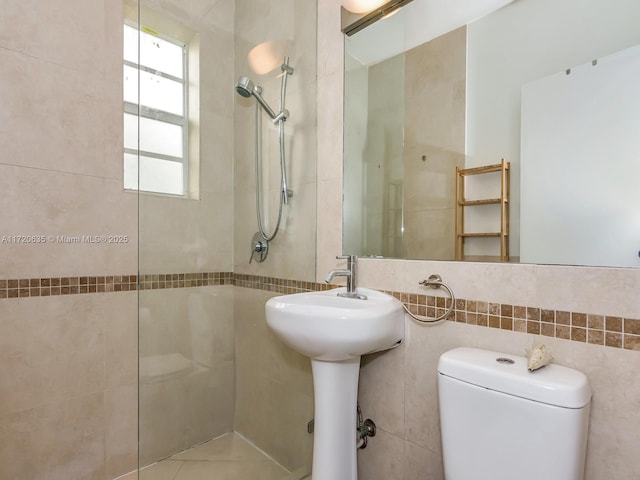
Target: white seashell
[538,357]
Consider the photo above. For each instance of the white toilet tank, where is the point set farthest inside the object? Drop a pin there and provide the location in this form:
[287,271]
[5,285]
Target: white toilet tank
[501,422]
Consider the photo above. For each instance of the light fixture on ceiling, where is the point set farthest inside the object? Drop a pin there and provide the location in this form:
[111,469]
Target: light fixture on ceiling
[362,6]
[353,22]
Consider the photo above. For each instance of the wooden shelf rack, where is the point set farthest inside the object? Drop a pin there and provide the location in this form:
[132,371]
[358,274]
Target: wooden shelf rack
[462,202]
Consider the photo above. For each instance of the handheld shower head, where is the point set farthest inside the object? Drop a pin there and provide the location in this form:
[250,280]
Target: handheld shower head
[245,87]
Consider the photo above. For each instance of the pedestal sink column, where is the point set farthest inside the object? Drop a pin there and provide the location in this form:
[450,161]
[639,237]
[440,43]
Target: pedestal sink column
[334,330]
[335,387]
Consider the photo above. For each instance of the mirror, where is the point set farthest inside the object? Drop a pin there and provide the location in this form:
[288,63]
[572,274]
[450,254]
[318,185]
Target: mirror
[548,88]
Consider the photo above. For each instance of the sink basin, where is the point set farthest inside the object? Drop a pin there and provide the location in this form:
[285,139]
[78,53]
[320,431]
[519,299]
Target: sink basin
[334,332]
[324,326]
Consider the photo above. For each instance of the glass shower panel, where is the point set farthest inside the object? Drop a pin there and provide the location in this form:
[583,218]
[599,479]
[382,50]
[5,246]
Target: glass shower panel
[218,395]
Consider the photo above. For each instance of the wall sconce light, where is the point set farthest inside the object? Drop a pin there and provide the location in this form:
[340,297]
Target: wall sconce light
[354,22]
[267,56]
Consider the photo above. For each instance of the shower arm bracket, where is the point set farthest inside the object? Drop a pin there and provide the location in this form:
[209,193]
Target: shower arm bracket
[281,117]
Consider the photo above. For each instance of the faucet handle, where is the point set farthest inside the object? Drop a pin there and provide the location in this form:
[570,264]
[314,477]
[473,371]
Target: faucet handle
[351,272]
[352,261]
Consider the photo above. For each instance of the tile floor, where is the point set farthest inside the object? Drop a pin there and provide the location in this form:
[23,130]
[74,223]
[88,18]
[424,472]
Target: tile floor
[229,457]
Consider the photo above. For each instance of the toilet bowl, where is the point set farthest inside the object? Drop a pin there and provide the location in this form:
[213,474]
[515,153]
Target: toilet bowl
[501,422]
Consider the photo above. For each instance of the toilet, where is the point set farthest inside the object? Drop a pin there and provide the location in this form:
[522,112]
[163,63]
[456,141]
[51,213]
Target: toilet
[501,422]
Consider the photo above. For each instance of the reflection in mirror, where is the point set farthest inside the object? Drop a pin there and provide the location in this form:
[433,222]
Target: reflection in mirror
[374,109]
[460,105]
[583,146]
[356,15]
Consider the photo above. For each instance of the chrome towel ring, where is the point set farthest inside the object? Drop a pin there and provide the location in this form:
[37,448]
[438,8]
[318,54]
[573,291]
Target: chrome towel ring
[435,282]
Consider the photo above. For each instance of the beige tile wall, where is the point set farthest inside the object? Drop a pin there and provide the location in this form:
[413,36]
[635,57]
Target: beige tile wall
[68,382]
[195,234]
[405,410]
[61,140]
[186,334]
[68,379]
[186,368]
[274,388]
[289,23]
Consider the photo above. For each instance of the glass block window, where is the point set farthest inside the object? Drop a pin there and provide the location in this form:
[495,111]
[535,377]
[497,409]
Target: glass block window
[155,113]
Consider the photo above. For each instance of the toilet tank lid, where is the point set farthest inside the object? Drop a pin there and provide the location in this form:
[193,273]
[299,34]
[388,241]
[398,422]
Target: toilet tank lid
[553,384]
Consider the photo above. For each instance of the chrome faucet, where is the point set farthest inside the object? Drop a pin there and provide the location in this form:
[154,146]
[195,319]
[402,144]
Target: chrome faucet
[351,272]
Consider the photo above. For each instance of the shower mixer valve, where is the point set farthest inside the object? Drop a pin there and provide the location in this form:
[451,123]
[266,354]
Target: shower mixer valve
[259,248]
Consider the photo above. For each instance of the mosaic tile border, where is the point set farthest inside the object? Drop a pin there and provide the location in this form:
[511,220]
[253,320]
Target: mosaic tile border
[279,285]
[184,280]
[45,287]
[595,329]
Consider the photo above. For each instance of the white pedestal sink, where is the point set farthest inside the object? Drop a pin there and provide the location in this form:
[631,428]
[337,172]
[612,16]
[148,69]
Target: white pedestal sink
[334,332]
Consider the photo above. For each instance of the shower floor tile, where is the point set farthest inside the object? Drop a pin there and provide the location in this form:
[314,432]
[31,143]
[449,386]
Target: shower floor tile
[225,458]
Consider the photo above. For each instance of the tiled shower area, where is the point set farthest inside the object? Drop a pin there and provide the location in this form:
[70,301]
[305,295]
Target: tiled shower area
[124,342]
[229,456]
[220,398]
[219,395]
